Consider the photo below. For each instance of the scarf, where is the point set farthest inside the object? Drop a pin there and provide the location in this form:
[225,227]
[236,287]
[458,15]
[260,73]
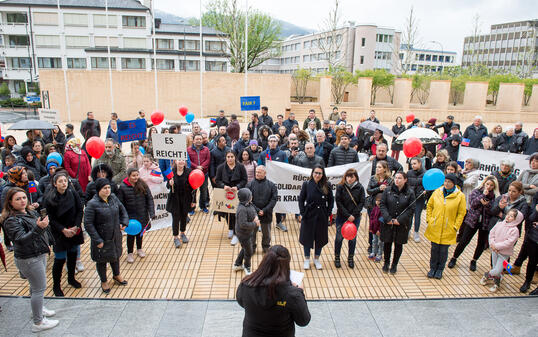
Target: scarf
[74,145]
[14,175]
[446,192]
[352,185]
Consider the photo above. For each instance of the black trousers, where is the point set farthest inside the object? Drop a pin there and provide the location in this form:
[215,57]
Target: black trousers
[523,252]
[230,218]
[387,250]
[467,236]
[101,269]
[532,249]
[179,223]
[246,252]
[439,255]
[131,240]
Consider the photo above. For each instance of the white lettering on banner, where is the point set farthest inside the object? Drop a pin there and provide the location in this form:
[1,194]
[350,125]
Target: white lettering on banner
[187,127]
[49,115]
[162,219]
[289,180]
[490,161]
[222,201]
[169,146]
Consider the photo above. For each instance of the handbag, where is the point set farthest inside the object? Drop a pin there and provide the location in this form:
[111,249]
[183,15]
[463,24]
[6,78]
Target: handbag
[350,195]
[107,253]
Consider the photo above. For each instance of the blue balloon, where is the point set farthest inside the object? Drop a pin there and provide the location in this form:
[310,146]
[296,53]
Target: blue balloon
[56,156]
[134,227]
[433,179]
[142,150]
[190,117]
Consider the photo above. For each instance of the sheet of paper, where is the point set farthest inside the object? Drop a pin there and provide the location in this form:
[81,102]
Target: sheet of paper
[296,277]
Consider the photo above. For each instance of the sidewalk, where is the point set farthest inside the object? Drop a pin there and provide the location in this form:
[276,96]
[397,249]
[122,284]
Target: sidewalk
[466,317]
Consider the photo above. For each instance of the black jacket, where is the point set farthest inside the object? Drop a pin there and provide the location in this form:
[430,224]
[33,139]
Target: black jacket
[475,135]
[288,123]
[266,120]
[217,157]
[180,199]
[65,211]
[35,166]
[531,146]
[60,140]
[324,150]
[73,184]
[396,204]
[90,188]
[397,130]
[138,206]
[221,121]
[308,162]
[315,208]
[414,180]
[102,222]
[513,144]
[29,240]
[233,178]
[347,206]
[90,128]
[32,197]
[266,317]
[341,156]
[504,181]
[264,196]
[532,228]
[251,127]
[394,166]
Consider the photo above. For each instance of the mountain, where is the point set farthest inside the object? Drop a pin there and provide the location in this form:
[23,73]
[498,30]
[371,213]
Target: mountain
[288,29]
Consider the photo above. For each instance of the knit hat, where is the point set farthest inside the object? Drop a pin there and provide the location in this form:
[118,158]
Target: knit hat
[100,183]
[51,162]
[432,121]
[25,151]
[244,195]
[416,120]
[253,142]
[452,177]
[14,175]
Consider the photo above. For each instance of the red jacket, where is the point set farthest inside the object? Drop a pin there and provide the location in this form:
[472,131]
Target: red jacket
[71,165]
[199,158]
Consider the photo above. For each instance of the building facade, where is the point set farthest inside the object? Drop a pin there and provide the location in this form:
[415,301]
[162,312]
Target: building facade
[355,47]
[37,34]
[414,60]
[509,47]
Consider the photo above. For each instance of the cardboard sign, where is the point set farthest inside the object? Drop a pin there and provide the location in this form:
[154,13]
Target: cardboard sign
[169,146]
[223,201]
[132,130]
[49,115]
[250,103]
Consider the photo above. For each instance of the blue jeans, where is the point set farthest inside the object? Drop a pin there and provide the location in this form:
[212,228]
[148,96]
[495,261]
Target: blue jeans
[63,254]
[418,212]
[339,238]
[317,251]
[377,246]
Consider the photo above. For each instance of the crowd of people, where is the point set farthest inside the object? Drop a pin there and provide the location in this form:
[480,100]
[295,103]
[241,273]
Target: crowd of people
[53,191]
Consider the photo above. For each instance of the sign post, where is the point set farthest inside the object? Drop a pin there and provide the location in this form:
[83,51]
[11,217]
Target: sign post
[169,146]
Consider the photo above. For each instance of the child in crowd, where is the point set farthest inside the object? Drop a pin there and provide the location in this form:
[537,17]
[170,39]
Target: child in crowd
[502,238]
[10,161]
[375,225]
[246,224]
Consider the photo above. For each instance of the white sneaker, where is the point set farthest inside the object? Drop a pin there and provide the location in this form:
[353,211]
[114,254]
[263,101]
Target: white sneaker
[247,271]
[230,234]
[44,325]
[318,265]
[130,258]
[306,264]
[237,268]
[417,237]
[234,241]
[48,313]
[494,288]
[79,267]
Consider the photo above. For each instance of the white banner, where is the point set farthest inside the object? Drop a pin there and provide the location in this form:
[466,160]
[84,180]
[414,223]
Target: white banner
[491,160]
[163,219]
[222,201]
[289,180]
[169,146]
[186,127]
[49,115]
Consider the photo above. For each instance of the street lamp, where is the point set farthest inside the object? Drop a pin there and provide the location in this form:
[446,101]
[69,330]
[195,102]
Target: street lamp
[442,53]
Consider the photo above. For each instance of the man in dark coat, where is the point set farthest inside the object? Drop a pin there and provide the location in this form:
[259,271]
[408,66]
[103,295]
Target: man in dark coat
[312,118]
[265,118]
[531,145]
[254,126]
[278,124]
[217,157]
[272,152]
[234,128]
[343,154]
[381,154]
[290,122]
[89,128]
[308,158]
[323,148]
[475,132]
[446,125]
[509,141]
[221,120]
[242,143]
[264,196]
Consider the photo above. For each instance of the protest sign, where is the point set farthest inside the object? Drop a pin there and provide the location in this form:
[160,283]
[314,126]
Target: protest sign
[132,130]
[289,180]
[49,115]
[162,219]
[223,201]
[490,161]
[169,146]
[250,103]
[187,127]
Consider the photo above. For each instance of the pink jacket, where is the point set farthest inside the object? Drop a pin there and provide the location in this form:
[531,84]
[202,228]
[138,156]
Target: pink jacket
[504,235]
[151,179]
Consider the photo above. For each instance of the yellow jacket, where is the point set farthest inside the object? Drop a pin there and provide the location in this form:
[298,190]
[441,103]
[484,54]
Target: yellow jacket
[444,216]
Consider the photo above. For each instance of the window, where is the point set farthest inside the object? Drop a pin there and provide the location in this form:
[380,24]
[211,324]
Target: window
[362,59]
[99,20]
[306,44]
[215,66]
[75,19]
[401,56]
[441,58]
[163,64]
[51,41]
[216,46]
[131,42]
[189,65]
[189,44]
[16,18]
[314,43]
[428,57]
[101,41]
[306,58]
[49,62]
[77,41]
[434,58]
[48,19]
[134,21]
[165,44]
[19,62]
[2,40]
[413,67]
[363,42]
[76,63]
[133,63]
[18,40]
[102,63]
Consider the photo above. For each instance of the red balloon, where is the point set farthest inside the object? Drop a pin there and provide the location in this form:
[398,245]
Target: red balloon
[409,118]
[183,111]
[196,178]
[412,147]
[95,147]
[349,230]
[157,117]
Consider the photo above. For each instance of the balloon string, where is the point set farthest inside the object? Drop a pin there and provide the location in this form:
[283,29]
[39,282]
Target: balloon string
[411,204]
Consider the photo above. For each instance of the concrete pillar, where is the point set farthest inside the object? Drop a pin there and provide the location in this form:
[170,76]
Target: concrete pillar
[439,92]
[364,92]
[533,101]
[402,92]
[510,97]
[325,94]
[475,96]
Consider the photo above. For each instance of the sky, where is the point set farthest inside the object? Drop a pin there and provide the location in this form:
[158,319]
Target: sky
[446,21]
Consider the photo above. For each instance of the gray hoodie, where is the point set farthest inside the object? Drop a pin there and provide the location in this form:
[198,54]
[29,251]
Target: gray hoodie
[245,215]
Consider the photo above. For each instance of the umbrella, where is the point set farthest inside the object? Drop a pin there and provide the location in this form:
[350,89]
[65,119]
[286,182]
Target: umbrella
[426,136]
[32,124]
[369,125]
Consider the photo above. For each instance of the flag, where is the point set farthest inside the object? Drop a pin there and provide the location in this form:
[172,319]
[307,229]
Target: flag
[465,141]
[212,122]
[144,230]
[168,173]
[32,187]
[155,173]
[268,155]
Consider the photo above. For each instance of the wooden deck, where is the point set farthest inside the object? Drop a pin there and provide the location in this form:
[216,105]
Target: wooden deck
[201,269]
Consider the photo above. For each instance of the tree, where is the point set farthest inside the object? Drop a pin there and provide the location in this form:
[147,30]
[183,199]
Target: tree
[300,78]
[381,78]
[527,92]
[495,82]
[22,89]
[228,19]
[341,78]
[408,41]
[421,87]
[331,39]
[4,90]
